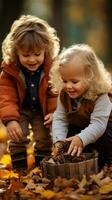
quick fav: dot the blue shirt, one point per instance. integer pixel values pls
(32, 80)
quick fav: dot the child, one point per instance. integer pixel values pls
(83, 113)
(29, 51)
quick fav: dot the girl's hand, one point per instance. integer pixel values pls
(76, 145)
(48, 119)
(14, 131)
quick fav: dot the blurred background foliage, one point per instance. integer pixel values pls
(76, 21)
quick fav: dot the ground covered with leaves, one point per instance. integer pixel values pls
(32, 185)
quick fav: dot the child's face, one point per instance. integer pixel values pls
(74, 78)
(31, 60)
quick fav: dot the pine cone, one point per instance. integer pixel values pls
(63, 147)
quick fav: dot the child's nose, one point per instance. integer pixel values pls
(68, 85)
(32, 58)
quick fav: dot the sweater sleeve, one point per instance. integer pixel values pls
(9, 109)
(98, 121)
(60, 124)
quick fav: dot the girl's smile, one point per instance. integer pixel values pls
(74, 78)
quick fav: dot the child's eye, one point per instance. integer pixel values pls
(37, 54)
(74, 82)
(64, 81)
(26, 55)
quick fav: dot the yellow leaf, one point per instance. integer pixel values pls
(14, 175)
(6, 160)
(105, 189)
(36, 170)
(5, 174)
(48, 194)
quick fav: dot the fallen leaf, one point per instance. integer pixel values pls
(106, 189)
(48, 194)
(5, 174)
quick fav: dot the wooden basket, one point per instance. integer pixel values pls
(70, 170)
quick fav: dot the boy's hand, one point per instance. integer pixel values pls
(48, 119)
(76, 145)
(14, 131)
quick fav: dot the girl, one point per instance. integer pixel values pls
(84, 106)
(29, 51)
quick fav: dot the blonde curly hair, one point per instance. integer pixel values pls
(99, 78)
(30, 32)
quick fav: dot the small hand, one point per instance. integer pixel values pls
(48, 119)
(14, 131)
(76, 145)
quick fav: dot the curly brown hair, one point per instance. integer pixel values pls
(30, 32)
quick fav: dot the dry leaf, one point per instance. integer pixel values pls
(36, 170)
(39, 189)
(5, 174)
(6, 160)
(83, 182)
(97, 177)
(24, 193)
(105, 180)
(48, 194)
(106, 189)
(51, 161)
(88, 197)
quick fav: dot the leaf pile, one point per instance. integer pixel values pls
(34, 186)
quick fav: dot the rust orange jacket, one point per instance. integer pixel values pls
(12, 92)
